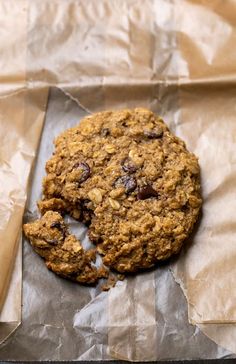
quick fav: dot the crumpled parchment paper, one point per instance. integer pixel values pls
(177, 58)
(139, 319)
(21, 117)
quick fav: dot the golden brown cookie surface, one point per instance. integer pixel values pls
(131, 180)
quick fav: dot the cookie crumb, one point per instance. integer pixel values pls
(111, 282)
(120, 277)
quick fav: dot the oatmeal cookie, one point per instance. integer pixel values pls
(62, 252)
(131, 180)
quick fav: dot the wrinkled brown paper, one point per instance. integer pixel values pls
(177, 58)
(21, 116)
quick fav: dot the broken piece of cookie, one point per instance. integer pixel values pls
(62, 252)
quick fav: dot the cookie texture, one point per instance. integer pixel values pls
(133, 182)
(62, 252)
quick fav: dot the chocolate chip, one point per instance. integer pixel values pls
(146, 192)
(56, 224)
(105, 132)
(154, 133)
(128, 182)
(128, 166)
(85, 171)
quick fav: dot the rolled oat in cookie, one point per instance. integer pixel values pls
(131, 181)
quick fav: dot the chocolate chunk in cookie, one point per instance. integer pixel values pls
(128, 182)
(128, 166)
(84, 169)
